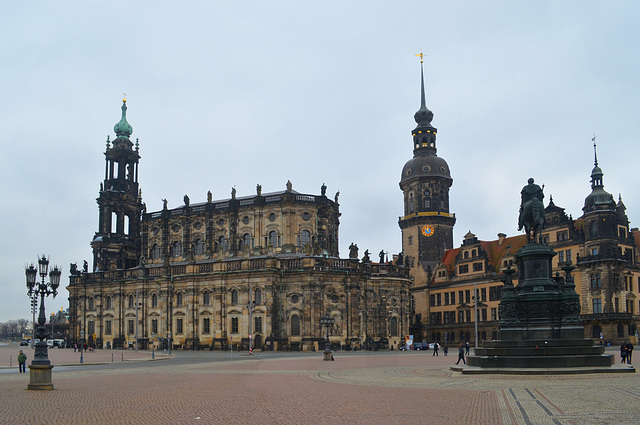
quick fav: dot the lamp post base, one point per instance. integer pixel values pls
(327, 355)
(40, 377)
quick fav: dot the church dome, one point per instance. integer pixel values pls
(428, 165)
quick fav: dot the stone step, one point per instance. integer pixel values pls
(541, 362)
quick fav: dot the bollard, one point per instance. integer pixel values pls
(122, 356)
(111, 357)
(10, 361)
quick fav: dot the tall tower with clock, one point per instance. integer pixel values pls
(427, 224)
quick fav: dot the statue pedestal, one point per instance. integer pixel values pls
(40, 377)
(540, 327)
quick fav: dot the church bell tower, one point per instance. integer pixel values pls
(427, 224)
(116, 244)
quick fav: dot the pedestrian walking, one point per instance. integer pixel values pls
(467, 348)
(435, 349)
(445, 350)
(623, 353)
(75, 347)
(22, 359)
(629, 349)
(461, 354)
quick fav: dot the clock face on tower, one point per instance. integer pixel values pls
(427, 230)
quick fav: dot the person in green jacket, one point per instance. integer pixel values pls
(22, 360)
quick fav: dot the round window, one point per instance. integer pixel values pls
(335, 298)
(409, 171)
(245, 219)
(442, 169)
(197, 225)
(175, 227)
(295, 298)
(426, 169)
(220, 222)
(272, 217)
(155, 231)
(306, 216)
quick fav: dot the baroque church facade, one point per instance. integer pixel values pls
(456, 291)
(260, 270)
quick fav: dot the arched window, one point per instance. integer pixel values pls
(273, 238)
(176, 249)
(305, 238)
(155, 252)
(222, 244)
(257, 324)
(92, 304)
(473, 254)
(179, 299)
(131, 301)
(393, 326)
(596, 331)
(620, 330)
(295, 325)
(234, 325)
(466, 254)
(199, 247)
(410, 203)
(154, 301)
(109, 301)
(206, 298)
(245, 241)
(234, 297)
(258, 296)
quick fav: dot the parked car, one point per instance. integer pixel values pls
(419, 346)
(431, 345)
(24, 343)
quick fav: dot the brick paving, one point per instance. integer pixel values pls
(356, 388)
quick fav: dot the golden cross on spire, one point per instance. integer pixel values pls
(421, 56)
(125, 97)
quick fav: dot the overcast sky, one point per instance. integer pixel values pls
(224, 94)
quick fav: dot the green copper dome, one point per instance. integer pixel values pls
(123, 128)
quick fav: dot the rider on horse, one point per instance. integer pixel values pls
(531, 210)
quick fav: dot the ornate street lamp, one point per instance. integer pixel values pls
(327, 322)
(40, 368)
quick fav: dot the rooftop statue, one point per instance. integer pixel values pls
(531, 216)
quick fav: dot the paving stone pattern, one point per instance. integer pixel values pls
(356, 388)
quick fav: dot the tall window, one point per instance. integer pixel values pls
(245, 242)
(595, 281)
(597, 306)
(131, 326)
(155, 252)
(295, 325)
(206, 325)
(154, 301)
(305, 238)
(258, 296)
(273, 238)
(179, 328)
(393, 326)
(91, 327)
(461, 316)
(206, 298)
(107, 327)
(234, 325)
(222, 244)
(199, 247)
(176, 249)
(154, 326)
(109, 303)
(92, 304)
(131, 301)
(257, 324)
(179, 299)
(234, 297)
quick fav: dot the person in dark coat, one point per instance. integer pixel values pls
(435, 349)
(629, 349)
(461, 354)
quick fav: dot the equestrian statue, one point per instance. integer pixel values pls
(531, 211)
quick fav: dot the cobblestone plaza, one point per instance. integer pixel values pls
(301, 388)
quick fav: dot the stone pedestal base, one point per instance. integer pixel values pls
(327, 355)
(40, 377)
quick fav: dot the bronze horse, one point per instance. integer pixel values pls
(532, 219)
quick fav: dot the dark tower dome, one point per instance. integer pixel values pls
(599, 198)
